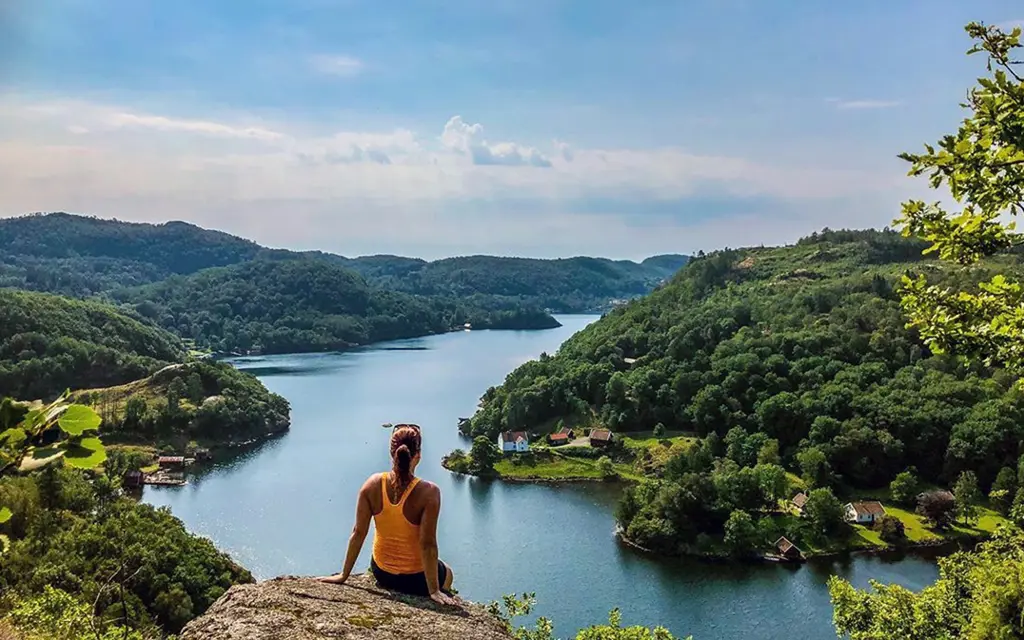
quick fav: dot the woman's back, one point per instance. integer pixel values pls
(396, 536)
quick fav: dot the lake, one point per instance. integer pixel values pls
(286, 506)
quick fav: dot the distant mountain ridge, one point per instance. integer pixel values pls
(84, 256)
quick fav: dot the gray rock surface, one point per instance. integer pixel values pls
(303, 609)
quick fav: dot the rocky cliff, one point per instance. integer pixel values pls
(303, 609)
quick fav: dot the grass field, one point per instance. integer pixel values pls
(553, 466)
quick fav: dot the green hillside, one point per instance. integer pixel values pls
(305, 304)
(50, 343)
(82, 256)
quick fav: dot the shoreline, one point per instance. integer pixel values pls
(944, 547)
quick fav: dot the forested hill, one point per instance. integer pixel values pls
(803, 344)
(84, 256)
(305, 304)
(569, 285)
(50, 343)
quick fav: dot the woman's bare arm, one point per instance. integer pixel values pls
(428, 545)
(364, 512)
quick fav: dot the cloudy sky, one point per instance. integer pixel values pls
(446, 127)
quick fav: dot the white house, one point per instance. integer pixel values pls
(864, 512)
(513, 441)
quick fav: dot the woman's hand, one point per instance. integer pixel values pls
(338, 578)
(440, 597)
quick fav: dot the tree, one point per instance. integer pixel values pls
(773, 482)
(891, 529)
(741, 534)
(605, 467)
(135, 412)
(982, 164)
(1004, 490)
(484, 454)
(937, 507)
(175, 392)
(814, 467)
(659, 430)
(769, 453)
(905, 487)
(823, 510)
(967, 495)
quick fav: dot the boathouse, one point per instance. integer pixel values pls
(787, 549)
(171, 462)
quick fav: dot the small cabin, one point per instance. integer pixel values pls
(568, 432)
(601, 437)
(787, 549)
(558, 438)
(513, 441)
(798, 501)
(866, 512)
(171, 462)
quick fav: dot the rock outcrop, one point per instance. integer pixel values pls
(303, 609)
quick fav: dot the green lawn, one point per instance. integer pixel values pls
(554, 466)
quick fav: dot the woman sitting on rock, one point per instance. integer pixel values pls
(404, 511)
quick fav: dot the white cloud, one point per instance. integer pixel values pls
(864, 104)
(290, 184)
(468, 139)
(336, 65)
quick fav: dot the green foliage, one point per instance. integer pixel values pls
(1004, 490)
(74, 534)
(68, 431)
(978, 595)
(741, 533)
(905, 487)
(659, 430)
(57, 615)
(49, 344)
(824, 511)
(606, 467)
(513, 606)
(982, 165)
(967, 495)
(483, 455)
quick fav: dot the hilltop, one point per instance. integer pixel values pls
(86, 256)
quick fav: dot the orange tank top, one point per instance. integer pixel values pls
(396, 541)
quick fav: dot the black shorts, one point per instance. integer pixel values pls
(414, 584)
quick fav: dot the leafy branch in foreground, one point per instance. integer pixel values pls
(44, 435)
(514, 607)
(982, 165)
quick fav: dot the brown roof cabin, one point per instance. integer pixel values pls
(558, 438)
(799, 500)
(133, 478)
(170, 462)
(787, 549)
(600, 437)
(568, 432)
(867, 511)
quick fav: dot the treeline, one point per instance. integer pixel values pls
(81, 554)
(804, 346)
(50, 343)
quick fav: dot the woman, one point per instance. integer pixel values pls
(404, 511)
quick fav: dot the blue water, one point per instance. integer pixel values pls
(286, 506)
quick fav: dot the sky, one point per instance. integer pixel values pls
(434, 128)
